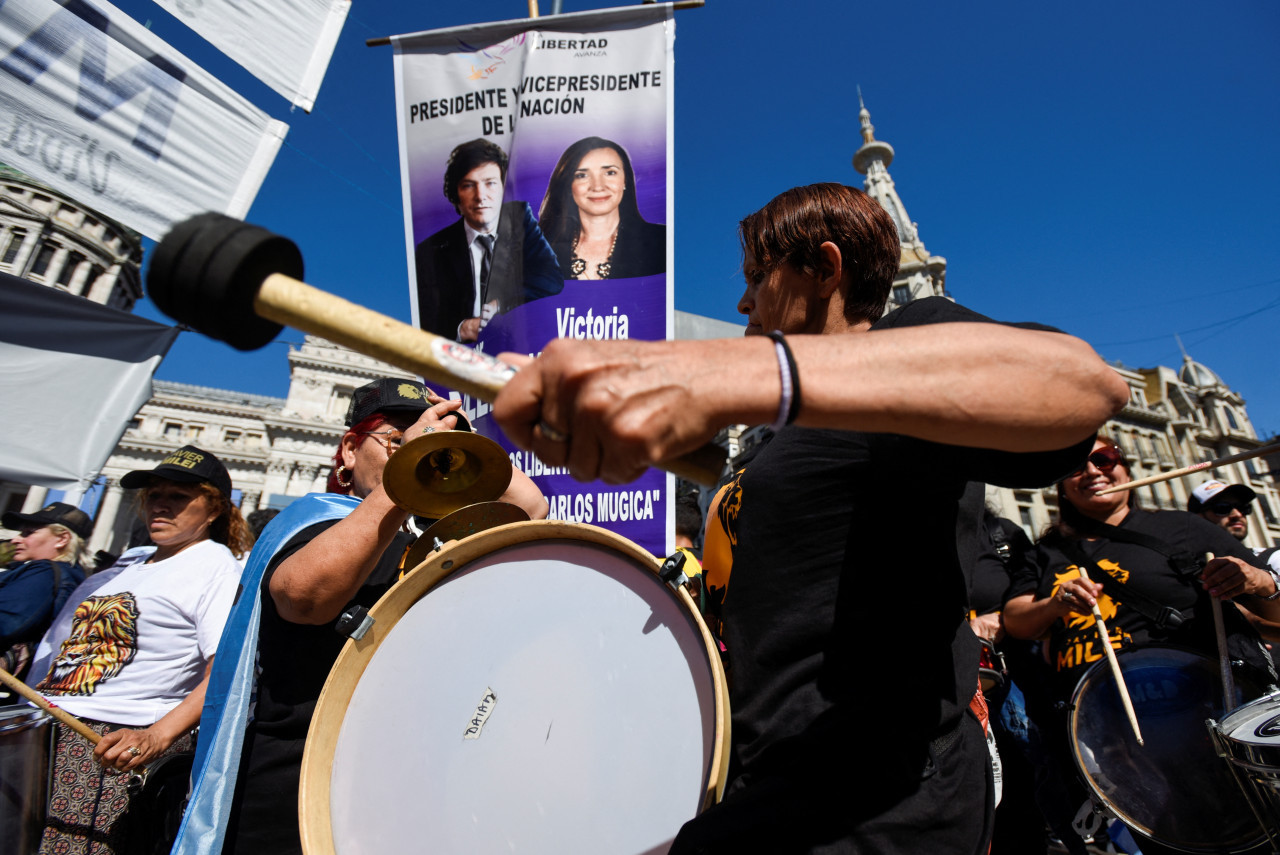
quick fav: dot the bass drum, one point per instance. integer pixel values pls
(1175, 789)
(25, 736)
(534, 688)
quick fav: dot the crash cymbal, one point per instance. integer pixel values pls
(464, 522)
(438, 473)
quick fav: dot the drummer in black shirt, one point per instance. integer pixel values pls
(854, 665)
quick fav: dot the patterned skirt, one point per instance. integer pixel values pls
(88, 804)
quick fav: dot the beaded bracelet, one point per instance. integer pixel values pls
(789, 406)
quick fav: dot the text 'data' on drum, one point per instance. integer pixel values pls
(534, 688)
(1175, 790)
(1249, 738)
(25, 735)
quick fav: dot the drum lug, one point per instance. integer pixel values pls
(354, 622)
(672, 570)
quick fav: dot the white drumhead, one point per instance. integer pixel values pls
(599, 737)
(1255, 723)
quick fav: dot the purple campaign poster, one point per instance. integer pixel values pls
(535, 163)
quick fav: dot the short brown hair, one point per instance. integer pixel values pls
(795, 223)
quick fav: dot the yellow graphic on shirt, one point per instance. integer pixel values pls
(1080, 645)
(719, 541)
(104, 638)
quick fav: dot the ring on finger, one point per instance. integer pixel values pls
(553, 434)
(135, 751)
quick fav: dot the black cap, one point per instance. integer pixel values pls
(187, 465)
(391, 395)
(54, 513)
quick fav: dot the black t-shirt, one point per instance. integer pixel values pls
(846, 612)
(1074, 645)
(993, 574)
(296, 658)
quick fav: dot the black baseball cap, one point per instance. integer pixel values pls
(393, 395)
(54, 513)
(186, 465)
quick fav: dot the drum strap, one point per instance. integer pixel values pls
(1184, 563)
(1165, 617)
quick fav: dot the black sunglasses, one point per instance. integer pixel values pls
(1223, 509)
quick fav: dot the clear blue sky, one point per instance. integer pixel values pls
(1107, 168)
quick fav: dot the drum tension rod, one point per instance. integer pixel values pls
(354, 623)
(672, 570)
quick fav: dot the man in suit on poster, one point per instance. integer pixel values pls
(491, 260)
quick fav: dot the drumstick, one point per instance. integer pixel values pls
(1115, 665)
(1191, 470)
(223, 277)
(1224, 656)
(57, 712)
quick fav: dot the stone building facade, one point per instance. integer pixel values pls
(52, 239)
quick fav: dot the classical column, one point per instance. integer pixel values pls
(104, 526)
(35, 499)
(307, 477)
(56, 264)
(249, 500)
(100, 291)
(77, 284)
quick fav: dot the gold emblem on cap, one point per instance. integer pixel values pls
(408, 390)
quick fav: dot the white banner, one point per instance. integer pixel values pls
(74, 375)
(286, 44)
(95, 105)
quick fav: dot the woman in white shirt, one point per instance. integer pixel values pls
(130, 651)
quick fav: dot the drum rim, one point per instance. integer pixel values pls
(1103, 665)
(322, 737)
(22, 718)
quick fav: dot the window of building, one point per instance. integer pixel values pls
(232, 436)
(1138, 396)
(901, 294)
(43, 257)
(1231, 418)
(253, 440)
(16, 238)
(1252, 470)
(172, 431)
(194, 432)
(69, 269)
(135, 424)
(1265, 505)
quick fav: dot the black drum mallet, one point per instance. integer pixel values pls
(241, 284)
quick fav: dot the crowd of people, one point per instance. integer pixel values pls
(857, 585)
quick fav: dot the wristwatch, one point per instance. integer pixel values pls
(1275, 577)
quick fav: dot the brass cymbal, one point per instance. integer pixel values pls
(438, 473)
(463, 522)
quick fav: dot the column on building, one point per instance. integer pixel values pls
(35, 499)
(100, 291)
(104, 527)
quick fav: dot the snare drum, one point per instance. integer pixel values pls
(1249, 738)
(1174, 790)
(24, 778)
(992, 673)
(532, 688)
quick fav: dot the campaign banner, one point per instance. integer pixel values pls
(287, 44)
(95, 105)
(536, 168)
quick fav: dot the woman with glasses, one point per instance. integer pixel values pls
(317, 575)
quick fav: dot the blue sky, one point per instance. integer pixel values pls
(1107, 168)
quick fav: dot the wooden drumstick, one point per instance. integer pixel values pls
(1115, 665)
(1224, 655)
(1191, 470)
(57, 712)
(227, 279)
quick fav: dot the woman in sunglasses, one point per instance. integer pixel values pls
(313, 578)
(1157, 586)
(1049, 597)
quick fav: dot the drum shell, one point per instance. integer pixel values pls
(1175, 790)
(426, 586)
(25, 736)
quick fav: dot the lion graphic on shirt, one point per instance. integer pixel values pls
(1106, 605)
(104, 638)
